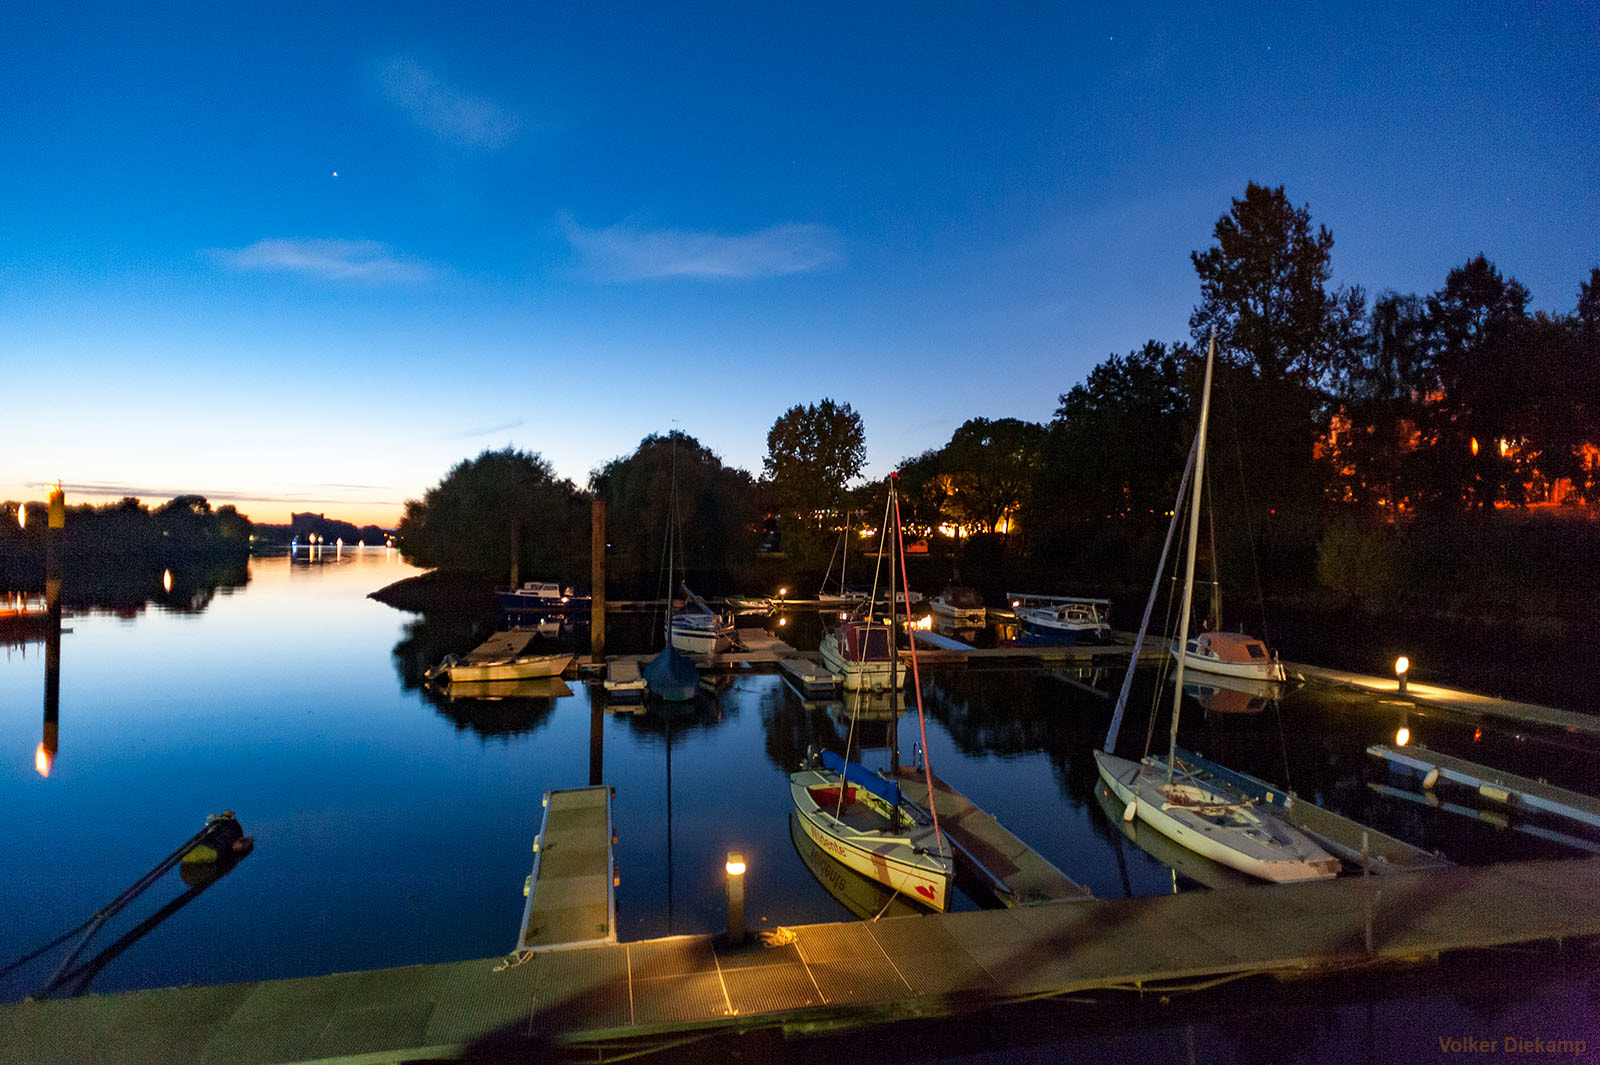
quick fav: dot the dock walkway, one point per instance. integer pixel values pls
(572, 890)
(1508, 789)
(1462, 702)
(1018, 874)
(827, 974)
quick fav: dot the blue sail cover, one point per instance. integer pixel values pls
(861, 776)
(671, 676)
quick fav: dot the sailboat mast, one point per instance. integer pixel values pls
(1194, 535)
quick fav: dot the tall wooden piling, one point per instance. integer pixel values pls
(597, 581)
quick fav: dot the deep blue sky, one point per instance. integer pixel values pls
(310, 256)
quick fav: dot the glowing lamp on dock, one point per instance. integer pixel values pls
(43, 758)
(166, 580)
(735, 868)
(1401, 666)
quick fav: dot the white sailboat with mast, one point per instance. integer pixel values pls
(1229, 829)
(858, 817)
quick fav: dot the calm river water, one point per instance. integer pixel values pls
(394, 827)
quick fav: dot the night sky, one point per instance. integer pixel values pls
(307, 257)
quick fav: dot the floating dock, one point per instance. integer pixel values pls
(811, 679)
(1507, 789)
(572, 899)
(623, 681)
(1350, 840)
(824, 976)
(1016, 873)
(1465, 703)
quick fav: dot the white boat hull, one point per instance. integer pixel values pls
(890, 858)
(1263, 671)
(523, 668)
(962, 616)
(857, 675)
(1245, 838)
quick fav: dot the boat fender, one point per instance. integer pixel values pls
(1130, 811)
(1431, 779)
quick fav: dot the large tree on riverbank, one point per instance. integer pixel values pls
(1282, 337)
(814, 451)
(716, 517)
(500, 515)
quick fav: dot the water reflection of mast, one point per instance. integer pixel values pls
(45, 756)
(669, 824)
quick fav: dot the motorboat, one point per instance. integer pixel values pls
(961, 605)
(862, 652)
(1063, 618)
(540, 596)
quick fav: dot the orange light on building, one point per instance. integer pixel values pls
(1474, 443)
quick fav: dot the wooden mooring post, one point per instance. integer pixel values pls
(597, 581)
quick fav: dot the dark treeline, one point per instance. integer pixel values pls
(1399, 450)
(115, 555)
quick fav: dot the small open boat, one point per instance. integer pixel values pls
(868, 829)
(503, 656)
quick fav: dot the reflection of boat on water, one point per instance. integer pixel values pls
(503, 656)
(1179, 859)
(860, 895)
(1232, 695)
(529, 688)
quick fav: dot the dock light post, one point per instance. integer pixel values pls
(1401, 664)
(735, 868)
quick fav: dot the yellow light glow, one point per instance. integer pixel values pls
(1401, 664)
(783, 593)
(1474, 444)
(735, 865)
(782, 622)
(1402, 737)
(42, 760)
(924, 624)
(166, 580)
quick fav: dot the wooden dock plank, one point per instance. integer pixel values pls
(860, 972)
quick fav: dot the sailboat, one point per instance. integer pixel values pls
(670, 675)
(1227, 654)
(859, 816)
(700, 630)
(833, 594)
(1227, 828)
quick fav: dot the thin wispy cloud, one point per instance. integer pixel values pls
(332, 260)
(485, 430)
(447, 112)
(629, 253)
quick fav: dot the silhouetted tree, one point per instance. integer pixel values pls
(718, 516)
(1282, 338)
(990, 467)
(502, 513)
(813, 453)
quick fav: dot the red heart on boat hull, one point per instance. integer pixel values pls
(925, 892)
